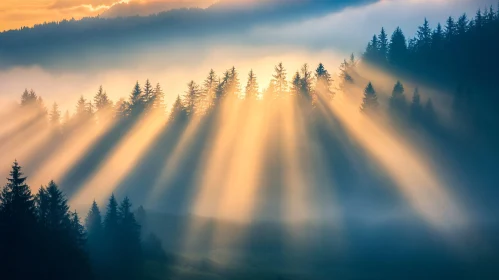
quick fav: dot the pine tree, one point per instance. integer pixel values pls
(191, 98)
(95, 236)
(57, 215)
(233, 85)
(251, 86)
(178, 112)
(210, 86)
(111, 218)
(148, 94)
(323, 81)
(55, 115)
(158, 100)
(130, 243)
(122, 108)
(462, 25)
(306, 82)
(78, 233)
(397, 100)
(371, 53)
(382, 45)
(424, 36)
(102, 101)
(28, 98)
(370, 101)
(397, 51)
(136, 100)
(19, 243)
(438, 39)
(296, 85)
(279, 79)
(450, 29)
(81, 109)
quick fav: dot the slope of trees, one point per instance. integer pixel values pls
(40, 238)
(459, 56)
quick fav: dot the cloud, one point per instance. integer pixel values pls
(144, 8)
(16, 14)
(64, 4)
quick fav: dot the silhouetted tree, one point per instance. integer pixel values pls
(251, 86)
(323, 81)
(397, 51)
(136, 101)
(102, 101)
(382, 46)
(397, 100)
(179, 112)
(158, 99)
(191, 98)
(306, 82)
(19, 247)
(130, 250)
(279, 80)
(148, 94)
(55, 115)
(370, 101)
(209, 89)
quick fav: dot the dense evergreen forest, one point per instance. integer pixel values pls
(41, 238)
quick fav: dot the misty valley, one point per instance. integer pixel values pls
(250, 162)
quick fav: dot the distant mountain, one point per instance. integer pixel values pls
(46, 43)
(150, 8)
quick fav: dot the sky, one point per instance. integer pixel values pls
(18, 13)
(326, 38)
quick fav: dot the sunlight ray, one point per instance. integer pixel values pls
(122, 160)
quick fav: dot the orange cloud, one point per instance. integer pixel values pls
(18, 13)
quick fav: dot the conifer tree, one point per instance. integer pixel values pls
(136, 100)
(19, 246)
(210, 86)
(397, 51)
(323, 81)
(462, 25)
(251, 86)
(101, 100)
(233, 85)
(437, 39)
(306, 82)
(55, 115)
(178, 112)
(279, 80)
(122, 108)
(158, 100)
(148, 94)
(81, 108)
(296, 85)
(28, 98)
(191, 98)
(370, 101)
(450, 29)
(397, 100)
(371, 53)
(424, 36)
(382, 45)
(95, 236)
(130, 244)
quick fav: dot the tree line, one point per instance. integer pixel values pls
(41, 238)
(459, 56)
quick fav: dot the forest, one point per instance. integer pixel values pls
(437, 89)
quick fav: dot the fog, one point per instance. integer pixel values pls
(173, 63)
